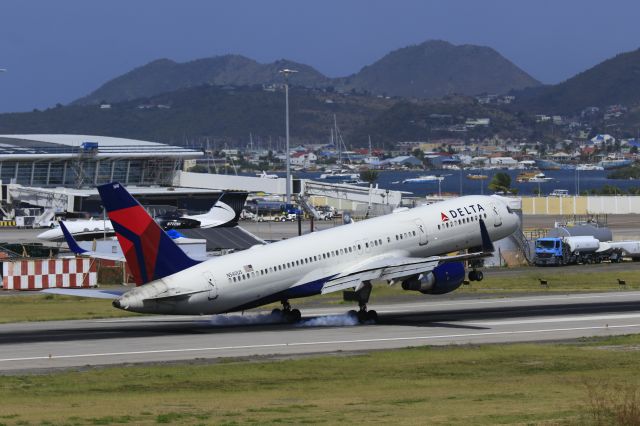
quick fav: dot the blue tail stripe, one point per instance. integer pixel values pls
(135, 240)
(71, 242)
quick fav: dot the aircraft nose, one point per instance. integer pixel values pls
(116, 304)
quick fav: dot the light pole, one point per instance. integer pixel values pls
(286, 73)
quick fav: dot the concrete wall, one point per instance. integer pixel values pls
(623, 204)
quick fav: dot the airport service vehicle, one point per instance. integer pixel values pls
(283, 217)
(270, 209)
(622, 249)
(559, 193)
(407, 248)
(568, 251)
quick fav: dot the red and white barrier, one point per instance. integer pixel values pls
(49, 273)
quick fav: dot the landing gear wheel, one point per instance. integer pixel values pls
(286, 313)
(475, 276)
(294, 315)
(372, 316)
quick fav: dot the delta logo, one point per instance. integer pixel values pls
(461, 212)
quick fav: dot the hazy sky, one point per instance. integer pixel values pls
(57, 51)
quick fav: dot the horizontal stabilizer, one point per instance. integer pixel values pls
(90, 293)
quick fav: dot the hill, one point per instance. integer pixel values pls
(614, 81)
(430, 70)
(228, 114)
(165, 75)
(437, 68)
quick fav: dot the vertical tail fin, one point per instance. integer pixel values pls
(236, 201)
(230, 201)
(71, 242)
(150, 252)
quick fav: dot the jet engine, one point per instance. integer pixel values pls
(443, 279)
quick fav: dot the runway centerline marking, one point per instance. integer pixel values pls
(328, 342)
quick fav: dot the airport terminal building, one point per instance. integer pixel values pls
(82, 161)
(61, 172)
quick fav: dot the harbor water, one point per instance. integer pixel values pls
(456, 181)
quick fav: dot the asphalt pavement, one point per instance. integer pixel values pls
(28, 347)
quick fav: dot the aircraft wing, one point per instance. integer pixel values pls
(79, 251)
(91, 293)
(401, 267)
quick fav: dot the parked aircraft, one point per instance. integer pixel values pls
(407, 248)
(225, 212)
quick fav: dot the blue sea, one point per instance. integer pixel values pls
(456, 182)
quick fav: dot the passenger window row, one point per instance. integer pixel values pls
(452, 223)
(317, 258)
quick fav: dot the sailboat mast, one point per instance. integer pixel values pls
(335, 126)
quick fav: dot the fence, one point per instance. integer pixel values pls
(48, 273)
(597, 204)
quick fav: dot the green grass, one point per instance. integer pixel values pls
(526, 280)
(46, 307)
(584, 382)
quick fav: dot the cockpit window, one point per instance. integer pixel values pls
(509, 209)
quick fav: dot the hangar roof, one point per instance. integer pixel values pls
(25, 147)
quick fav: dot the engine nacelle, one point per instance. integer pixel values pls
(443, 279)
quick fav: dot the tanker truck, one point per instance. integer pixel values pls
(568, 251)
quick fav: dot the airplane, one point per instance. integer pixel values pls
(266, 175)
(408, 247)
(223, 213)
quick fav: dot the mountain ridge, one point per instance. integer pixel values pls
(613, 81)
(430, 69)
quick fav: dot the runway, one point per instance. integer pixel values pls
(64, 344)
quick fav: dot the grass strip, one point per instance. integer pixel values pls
(594, 381)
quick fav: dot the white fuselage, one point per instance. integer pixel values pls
(92, 228)
(299, 266)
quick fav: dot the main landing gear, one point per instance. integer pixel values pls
(475, 275)
(288, 314)
(361, 295)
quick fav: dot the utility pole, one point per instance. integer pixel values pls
(286, 73)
